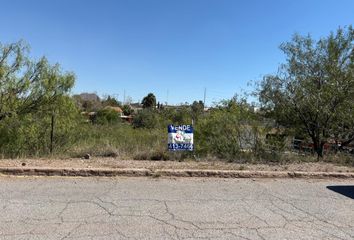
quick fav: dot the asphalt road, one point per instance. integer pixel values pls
(146, 208)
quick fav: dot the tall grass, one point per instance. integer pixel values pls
(117, 140)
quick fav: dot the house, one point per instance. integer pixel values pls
(118, 110)
(136, 107)
(128, 119)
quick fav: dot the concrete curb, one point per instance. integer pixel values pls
(136, 172)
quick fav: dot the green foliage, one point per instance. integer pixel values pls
(106, 116)
(146, 118)
(197, 109)
(29, 135)
(123, 140)
(149, 101)
(181, 116)
(276, 142)
(228, 131)
(313, 94)
(27, 85)
(32, 93)
(313, 91)
(111, 101)
(127, 110)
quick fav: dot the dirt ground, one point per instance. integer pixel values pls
(153, 165)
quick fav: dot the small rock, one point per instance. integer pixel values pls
(87, 156)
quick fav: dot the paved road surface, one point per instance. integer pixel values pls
(145, 208)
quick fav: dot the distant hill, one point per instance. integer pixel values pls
(88, 97)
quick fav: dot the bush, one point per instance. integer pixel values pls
(127, 110)
(231, 133)
(146, 118)
(29, 135)
(106, 116)
(159, 155)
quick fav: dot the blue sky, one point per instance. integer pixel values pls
(177, 47)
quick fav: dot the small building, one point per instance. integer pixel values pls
(116, 109)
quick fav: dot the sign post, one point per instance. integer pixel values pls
(180, 138)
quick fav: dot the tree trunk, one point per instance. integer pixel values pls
(318, 146)
(319, 151)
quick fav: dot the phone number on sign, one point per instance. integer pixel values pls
(180, 146)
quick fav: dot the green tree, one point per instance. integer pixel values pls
(27, 85)
(111, 101)
(149, 101)
(181, 115)
(32, 134)
(197, 109)
(313, 91)
(36, 113)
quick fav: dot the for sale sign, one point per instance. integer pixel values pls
(180, 138)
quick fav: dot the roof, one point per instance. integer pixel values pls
(116, 109)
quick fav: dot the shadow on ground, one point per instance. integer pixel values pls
(347, 191)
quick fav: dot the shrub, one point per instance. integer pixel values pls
(127, 110)
(159, 155)
(106, 116)
(146, 118)
(29, 135)
(230, 132)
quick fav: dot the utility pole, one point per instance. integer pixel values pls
(204, 96)
(124, 97)
(167, 97)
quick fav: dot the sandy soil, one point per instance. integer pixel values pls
(118, 163)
